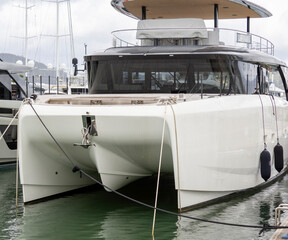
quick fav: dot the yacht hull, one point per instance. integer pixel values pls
(8, 141)
(212, 146)
(8, 155)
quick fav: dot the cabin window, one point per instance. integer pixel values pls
(5, 86)
(138, 78)
(249, 73)
(275, 82)
(92, 70)
(285, 73)
(268, 82)
(5, 90)
(165, 75)
(271, 81)
(194, 74)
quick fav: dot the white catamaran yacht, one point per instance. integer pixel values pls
(11, 91)
(210, 104)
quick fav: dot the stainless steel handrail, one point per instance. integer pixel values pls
(257, 42)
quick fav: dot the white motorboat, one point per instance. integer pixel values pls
(210, 110)
(11, 92)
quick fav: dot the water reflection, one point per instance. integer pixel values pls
(10, 225)
(264, 212)
(97, 214)
(255, 209)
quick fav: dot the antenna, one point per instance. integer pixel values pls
(26, 31)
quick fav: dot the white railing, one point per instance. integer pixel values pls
(278, 210)
(216, 36)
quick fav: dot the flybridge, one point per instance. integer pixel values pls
(201, 9)
(162, 20)
(188, 32)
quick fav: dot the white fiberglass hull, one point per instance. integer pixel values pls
(7, 155)
(212, 146)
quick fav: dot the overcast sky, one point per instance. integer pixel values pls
(94, 20)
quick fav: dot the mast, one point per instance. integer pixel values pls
(26, 32)
(70, 30)
(70, 34)
(58, 35)
(26, 36)
(57, 38)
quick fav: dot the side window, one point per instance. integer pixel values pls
(265, 81)
(249, 75)
(285, 75)
(6, 95)
(276, 86)
(210, 82)
(138, 77)
(168, 80)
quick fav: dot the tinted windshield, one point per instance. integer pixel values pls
(171, 75)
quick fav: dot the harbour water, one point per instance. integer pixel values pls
(97, 214)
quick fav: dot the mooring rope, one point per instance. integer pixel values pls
(85, 133)
(17, 180)
(159, 169)
(263, 228)
(17, 157)
(263, 121)
(15, 116)
(177, 153)
(275, 114)
(17, 167)
(17, 164)
(43, 124)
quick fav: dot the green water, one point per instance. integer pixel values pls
(97, 214)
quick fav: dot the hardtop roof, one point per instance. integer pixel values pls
(228, 9)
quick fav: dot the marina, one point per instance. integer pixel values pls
(179, 132)
(280, 233)
(183, 93)
(95, 214)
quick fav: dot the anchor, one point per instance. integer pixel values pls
(88, 130)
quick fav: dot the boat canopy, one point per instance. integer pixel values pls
(178, 28)
(205, 9)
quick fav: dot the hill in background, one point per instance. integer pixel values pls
(40, 69)
(8, 57)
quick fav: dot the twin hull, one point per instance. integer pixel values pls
(212, 145)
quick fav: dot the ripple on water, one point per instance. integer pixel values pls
(97, 214)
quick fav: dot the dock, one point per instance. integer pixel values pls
(280, 233)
